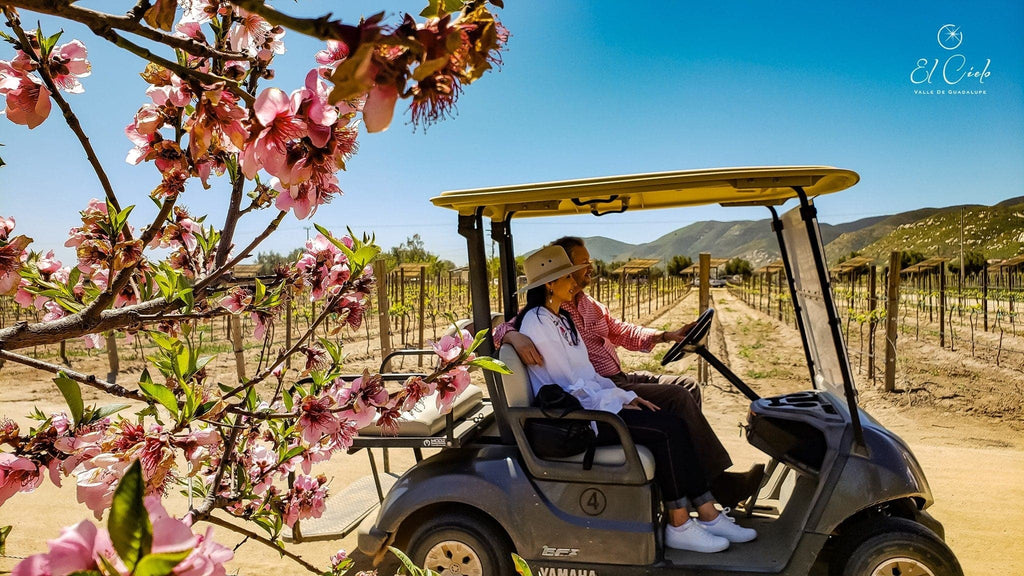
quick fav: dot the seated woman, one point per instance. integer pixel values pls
(677, 469)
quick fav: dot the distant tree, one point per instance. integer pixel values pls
(655, 273)
(850, 256)
(910, 257)
(739, 266)
(976, 262)
(414, 251)
(601, 269)
(679, 263)
(268, 261)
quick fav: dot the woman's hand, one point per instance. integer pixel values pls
(639, 403)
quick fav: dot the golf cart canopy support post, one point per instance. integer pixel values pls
(501, 232)
(471, 227)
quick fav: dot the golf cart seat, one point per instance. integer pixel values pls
(626, 463)
(426, 420)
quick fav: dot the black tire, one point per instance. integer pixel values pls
(468, 541)
(891, 547)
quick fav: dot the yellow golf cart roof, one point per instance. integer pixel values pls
(757, 186)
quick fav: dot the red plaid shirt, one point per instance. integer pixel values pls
(601, 333)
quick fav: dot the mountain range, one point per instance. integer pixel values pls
(995, 231)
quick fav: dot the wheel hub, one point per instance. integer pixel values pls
(902, 567)
(453, 558)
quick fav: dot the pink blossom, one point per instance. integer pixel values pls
(449, 386)
(316, 419)
(416, 388)
(169, 533)
(17, 474)
(306, 499)
(177, 93)
(248, 34)
(48, 264)
(73, 551)
(278, 125)
(68, 64)
(272, 44)
(333, 55)
(143, 148)
(237, 299)
(11, 255)
(449, 347)
(197, 446)
(92, 341)
(207, 558)
(304, 198)
(53, 312)
(362, 396)
(28, 101)
(97, 478)
(6, 226)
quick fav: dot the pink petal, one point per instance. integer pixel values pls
(379, 108)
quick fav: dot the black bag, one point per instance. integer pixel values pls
(556, 437)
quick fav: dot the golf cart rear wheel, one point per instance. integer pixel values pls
(462, 545)
(894, 547)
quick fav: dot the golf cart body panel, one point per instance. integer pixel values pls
(541, 517)
(833, 466)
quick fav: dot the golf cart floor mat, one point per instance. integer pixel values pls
(776, 536)
(345, 511)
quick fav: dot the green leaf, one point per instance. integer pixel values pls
(129, 526)
(86, 573)
(161, 394)
(160, 564)
(72, 394)
(477, 340)
(292, 453)
(492, 364)
(521, 566)
(5, 531)
(411, 568)
(164, 341)
(94, 414)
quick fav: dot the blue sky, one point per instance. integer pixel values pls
(596, 88)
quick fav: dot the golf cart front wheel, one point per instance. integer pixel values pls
(895, 547)
(462, 545)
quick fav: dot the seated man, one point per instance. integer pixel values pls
(680, 395)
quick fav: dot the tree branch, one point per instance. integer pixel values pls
(323, 27)
(129, 23)
(65, 108)
(87, 379)
(220, 271)
(262, 540)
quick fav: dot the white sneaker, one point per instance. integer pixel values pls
(692, 536)
(726, 527)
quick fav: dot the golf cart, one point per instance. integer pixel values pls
(842, 495)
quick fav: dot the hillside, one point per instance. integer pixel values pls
(997, 231)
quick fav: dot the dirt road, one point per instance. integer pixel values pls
(975, 464)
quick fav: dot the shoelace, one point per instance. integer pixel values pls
(725, 512)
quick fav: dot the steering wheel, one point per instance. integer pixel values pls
(693, 338)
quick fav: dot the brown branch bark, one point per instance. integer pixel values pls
(87, 379)
(323, 27)
(221, 270)
(262, 540)
(96, 20)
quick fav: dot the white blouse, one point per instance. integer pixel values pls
(568, 365)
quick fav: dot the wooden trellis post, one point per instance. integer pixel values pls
(423, 309)
(872, 304)
(383, 317)
(891, 317)
(942, 304)
(704, 298)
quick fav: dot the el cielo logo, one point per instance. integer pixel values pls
(956, 70)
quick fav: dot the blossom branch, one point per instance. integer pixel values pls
(98, 21)
(109, 35)
(69, 116)
(295, 347)
(87, 379)
(220, 271)
(323, 27)
(262, 540)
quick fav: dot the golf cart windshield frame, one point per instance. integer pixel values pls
(799, 243)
